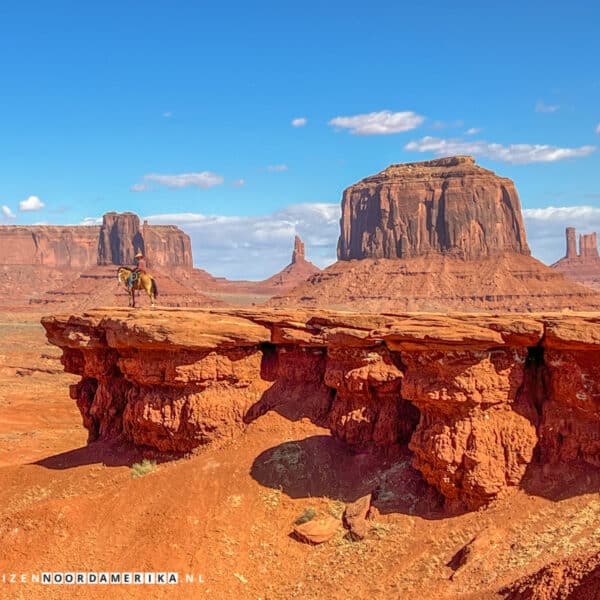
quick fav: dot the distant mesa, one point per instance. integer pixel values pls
(583, 266)
(449, 206)
(74, 266)
(432, 236)
(121, 236)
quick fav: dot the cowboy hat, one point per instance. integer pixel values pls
(139, 255)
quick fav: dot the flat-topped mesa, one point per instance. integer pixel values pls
(449, 206)
(49, 246)
(121, 237)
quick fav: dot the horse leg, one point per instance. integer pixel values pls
(150, 295)
(132, 298)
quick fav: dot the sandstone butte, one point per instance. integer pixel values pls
(438, 235)
(476, 398)
(583, 266)
(58, 267)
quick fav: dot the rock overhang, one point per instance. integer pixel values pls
(472, 394)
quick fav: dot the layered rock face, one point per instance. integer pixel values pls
(450, 205)
(49, 246)
(121, 237)
(583, 266)
(436, 236)
(477, 398)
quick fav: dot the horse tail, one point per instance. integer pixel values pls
(154, 288)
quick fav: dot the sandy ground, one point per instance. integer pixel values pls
(224, 515)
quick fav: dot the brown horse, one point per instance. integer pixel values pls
(142, 282)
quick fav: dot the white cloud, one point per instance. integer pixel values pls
(277, 168)
(541, 107)
(168, 114)
(473, 131)
(546, 228)
(256, 247)
(32, 203)
(91, 221)
(238, 183)
(299, 122)
(518, 154)
(7, 213)
(204, 180)
(379, 123)
(598, 129)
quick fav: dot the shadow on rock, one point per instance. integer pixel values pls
(321, 466)
(110, 454)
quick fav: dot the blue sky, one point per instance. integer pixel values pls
(99, 100)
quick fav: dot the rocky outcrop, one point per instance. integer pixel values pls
(121, 237)
(298, 252)
(295, 273)
(582, 267)
(476, 398)
(449, 205)
(438, 283)
(49, 246)
(436, 236)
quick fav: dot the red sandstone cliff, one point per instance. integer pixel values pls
(448, 205)
(476, 398)
(49, 246)
(582, 267)
(435, 236)
(121, 237)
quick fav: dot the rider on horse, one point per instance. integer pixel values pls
(140, 266)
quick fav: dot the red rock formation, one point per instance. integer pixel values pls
(571, 242)
(588, 245)
(297, 272)
(37, 261)
(584, 268)
(49, 246)
(121, 236)
(436, 283)
(298, 252)
(472, 395)
(167, 246)
(435, 236)
(448, 205)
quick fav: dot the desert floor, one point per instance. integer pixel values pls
(226, 512)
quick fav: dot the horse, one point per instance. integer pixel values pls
(143, 281)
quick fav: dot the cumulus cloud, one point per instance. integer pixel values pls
(546, 228)
(277, 168)
(598, 129)
(203, 180)
(168, 114)
(299, 122)
(256, 247)
(238, 183)
(7, 213)
(473, 131)
(378, 123)
(541, 107)
(517, 154)
(30, 204)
